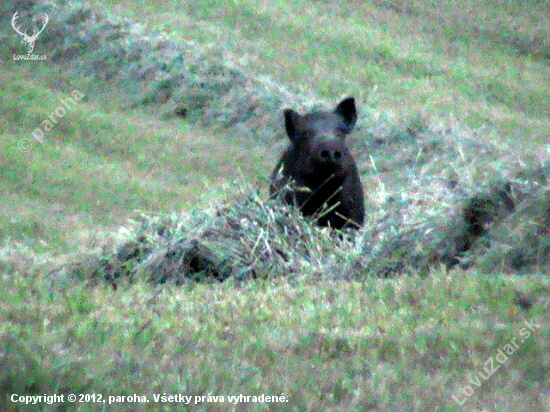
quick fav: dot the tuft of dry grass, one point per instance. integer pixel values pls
(245, 237)
(500, 228)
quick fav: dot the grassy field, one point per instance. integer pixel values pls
(479, 63)
(453, 90)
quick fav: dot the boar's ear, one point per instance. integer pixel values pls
(294, 124)
(347, 111)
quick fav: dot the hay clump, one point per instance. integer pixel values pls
(437, 194)
(520, 242)
(243, 238)
(503, 227)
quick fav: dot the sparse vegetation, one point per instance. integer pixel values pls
(141, 254)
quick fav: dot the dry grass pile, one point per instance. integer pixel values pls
(520, 241)
(501, 228)
(453, 196)
(246, 237)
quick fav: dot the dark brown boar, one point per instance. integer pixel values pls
(317, 172)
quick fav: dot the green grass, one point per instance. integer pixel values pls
(375, 345)
(100, 161)
(483, 62)
(460, 70)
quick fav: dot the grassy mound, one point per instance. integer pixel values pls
(437, 194)
(491, 233)
(503, 228)
(243, 238)
(519, 243)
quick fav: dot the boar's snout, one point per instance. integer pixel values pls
(331, 156)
